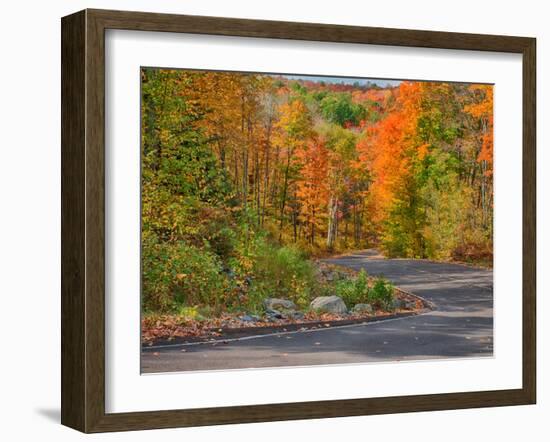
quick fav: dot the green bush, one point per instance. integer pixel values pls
(381, 294)
(216, 231)
(353, 291)
(340, 109)
(178, 274)
(282, 272)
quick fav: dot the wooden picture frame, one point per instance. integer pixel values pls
(83, 220)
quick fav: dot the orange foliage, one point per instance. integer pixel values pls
(312, 188)
(484, 111)
(387, 148)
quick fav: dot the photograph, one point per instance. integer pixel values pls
(269, 221)
(300, 220)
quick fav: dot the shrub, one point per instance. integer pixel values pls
(281, 272)
(178, 274)
(215, 231)
(381, 294)
(353, 291)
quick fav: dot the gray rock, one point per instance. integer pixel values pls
(250, 318)
(329, 304)
(278, 304)
(273, 314)
(363, 308)
(294, 315)
(398, 304)
(285, 314)
(402, 304)
(410, 305)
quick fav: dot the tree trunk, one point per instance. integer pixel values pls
(332, 222)
(266, 172)
(312, 225)
(283, 198)
(346, 232)
(236, 171)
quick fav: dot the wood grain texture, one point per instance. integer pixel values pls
(144, 21)
(95, 221)
(529, 220)
(73, 129)
(83, 220)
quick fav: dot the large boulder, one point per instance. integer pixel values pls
(363, 308)
(329, 304)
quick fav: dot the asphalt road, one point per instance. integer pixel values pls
(460, 326)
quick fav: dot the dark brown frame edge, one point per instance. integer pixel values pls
(83, 215)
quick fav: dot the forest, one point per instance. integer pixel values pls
(248, 178)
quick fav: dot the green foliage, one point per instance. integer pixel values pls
(373, 111)
(357, 290)
(177, 274)
(402, 235)
(319, 95)
(282, 272)
(353, 291)
(298, 88)
(381, 294)
(436, 207)
(339, 109)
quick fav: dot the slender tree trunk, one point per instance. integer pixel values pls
(257, 185)
(312, 225)
(484, 202)
(236, 171)
(245, 177)
(266, 171)
(221, 147)
(358, 224)
(295, 225)
(332, 222)
(295, 209)
(245, 153)
(346, 232)
(283, 197)
(275, 179)
(157, 138)
(355, 242)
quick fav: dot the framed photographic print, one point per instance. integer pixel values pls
(266, 220)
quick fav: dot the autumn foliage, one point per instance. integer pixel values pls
(242, 173)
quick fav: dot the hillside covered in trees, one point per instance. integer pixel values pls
(245, 177)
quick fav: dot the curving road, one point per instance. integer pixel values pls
(460, 326)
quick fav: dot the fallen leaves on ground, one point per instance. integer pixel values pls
(172, 326)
